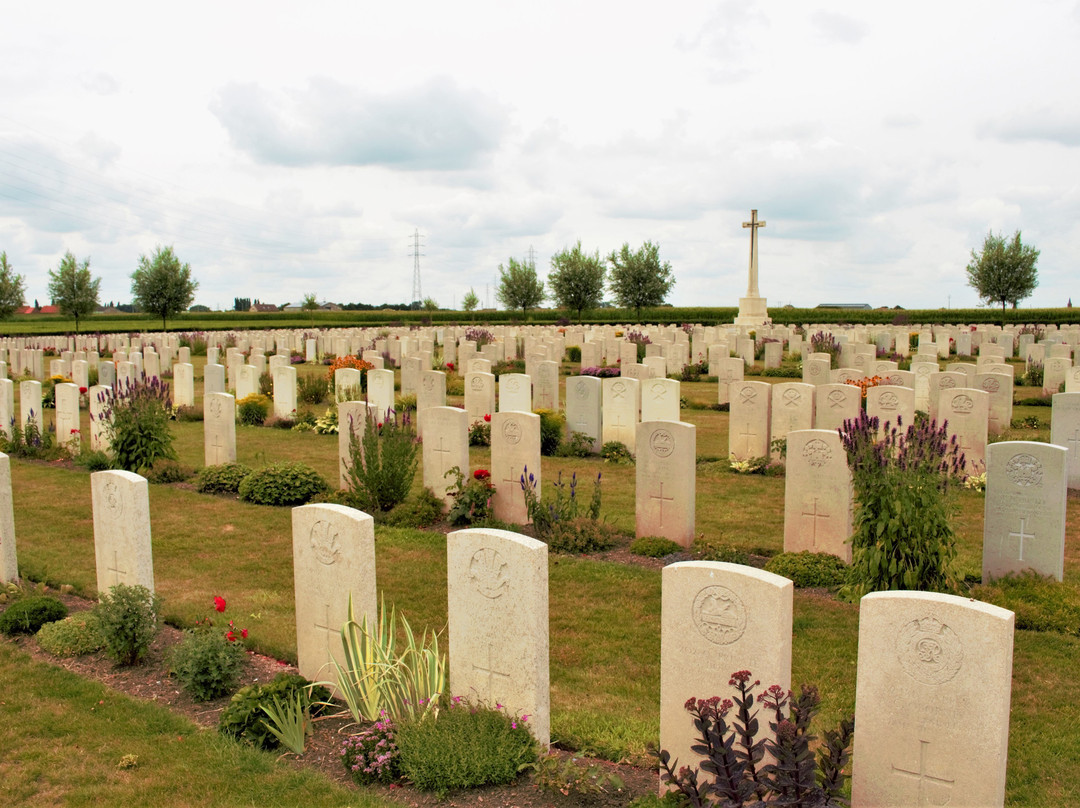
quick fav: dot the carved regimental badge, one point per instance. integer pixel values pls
(488, 573)
(662, 443)
(582, 389)
(888, 402)
(748, 395)
(991, 385)
(817, 452)
(837, 399)
(1024, 470)
(929, 651)
(719, 615)
(962, 404)
(512, 431)
(114, 502)
(792, 398)
(477, 384)
(325, 544)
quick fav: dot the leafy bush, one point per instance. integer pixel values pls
(568, 777)
(424, 511)
(285, 483)
(573, 353)
(735, 757)
(471, 497)
(245, 719)
(788, 371)
(1040, 604)
(223, 479)
(129, 622)
(551, 431)
(311, 388)
(826, 343)
(188, 415)
(903, 537)
(561, 504)
(1034, 376)
(169, 471)
(28, 615)
(252, 409)
(713, 550)
(136, 423)
(465, 746)
(29, 441)
(75, 635)
(383, 463)
(208, 664)
(654, 546)
(616, 452)
(93, 460)
(807, 569)
(578, 445)
(371, 756)
(480, 432)
(582, 535)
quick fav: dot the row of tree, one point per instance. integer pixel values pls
(577, 279)
(160, 285)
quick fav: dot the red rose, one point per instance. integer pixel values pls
(487, 417)
(230, 636)
(219, 603)
(243, 633)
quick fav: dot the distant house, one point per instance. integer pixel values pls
(42, 310)
(263, 307)
(861, 306)
(323, 306)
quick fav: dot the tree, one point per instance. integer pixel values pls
(470, 301)
(1004, 271)
(638, 279)
(576, 279)
(72, 289)
(429, 304)
(241, 304)
(12, 288)
(161, 285)
(310, 305)
(519, 287)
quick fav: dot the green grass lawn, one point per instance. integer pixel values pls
(604, 617)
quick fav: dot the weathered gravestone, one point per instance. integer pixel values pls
(445, 445)
(479, 395)
(67, 414)
(1065, 431)
(716, 619)
(30, 404)
(583, 407)
(966, 414)
(515, 452)
(727, 370)
(1000, 388)
(547, 386)
(660, 400)
(100, 404)
(284, 387)
(620, 411)
(1024, 515)
(834, 404)
(183, 387)
(8, 421)
(748, 436)
(213, 380)
(430, 392)
(380, 392)
(9, 561)
(333, 558)
(122, 547)
(792, 409)
(219, 429)
(515, 393)
(818, 497)
(497, 591)
(665, 481)
(925, 659)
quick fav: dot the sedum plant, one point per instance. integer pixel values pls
(379, 682)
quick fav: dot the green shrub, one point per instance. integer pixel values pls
(713, 550)
(30, 442)
(251, 410)
(371, 756)
(807, 569)
(616, 452)
(136, 423)
(188, 414)
(582, 535)
(464, 746)
(577, 445)
(223, 479)
(93, 460)
(654, 546)
(285, 483)
(383, 463)
(424, 511)
(75, 635)
(573, 353)
(169, 471)
(480, 432)
(784, 372)
(207, 664)
(28, 615)
(471, 497)
(1040, 604)
(244, 718)
(311, 388)
(551, 431)
(561, 505)
(129, 622)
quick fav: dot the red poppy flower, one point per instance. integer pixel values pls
(219, 603)
(482, 474)
(230, 636)
(487, 417)
(243, 633)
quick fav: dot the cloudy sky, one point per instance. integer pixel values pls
(286, 148)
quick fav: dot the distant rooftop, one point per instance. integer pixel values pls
(843, 306)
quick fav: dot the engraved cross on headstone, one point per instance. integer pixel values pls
(814, 515)
(513, 482)
(439, 451)
(326, 627)
(118, 574)
(661, 500)
(1021, 535)
(748, 434)
(923, 777)
(491, 674)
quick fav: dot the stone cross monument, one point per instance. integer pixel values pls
(752, 308)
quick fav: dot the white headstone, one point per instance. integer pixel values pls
(9, 561)
(748, 426)
(219, 429)
(515, 452)
(666, 481)
(620, 411)
(122, 546)
(583, 394)
(445, 445)
(515, 393)
(818, 497)
(1065, 431)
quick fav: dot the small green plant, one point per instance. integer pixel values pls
(93, 460)
(252, 409)
(715, 550)
(583, 535)
(807, 569)
(286, 483)
(578, 444)
(290, 722)
(573, 353)
(480, 432)
(561, 505)
(75, 635)
(27, 615)
(471, 497)
(371, 755)
(975, 482)
(188, 415)
(616, 452)
(383, 462)
(1034, 376)
(129, 622)
(734, 755)
(135, 419)
(654, 546)
(222, 479)
(208, 662)
(311, 388)
(28, 441)
(465, 746)
(551, 431)
(377, 681)
(169, 471)
(327, 423)
(567, 776)
(245, 719)
(778, 447)
(424, 510)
